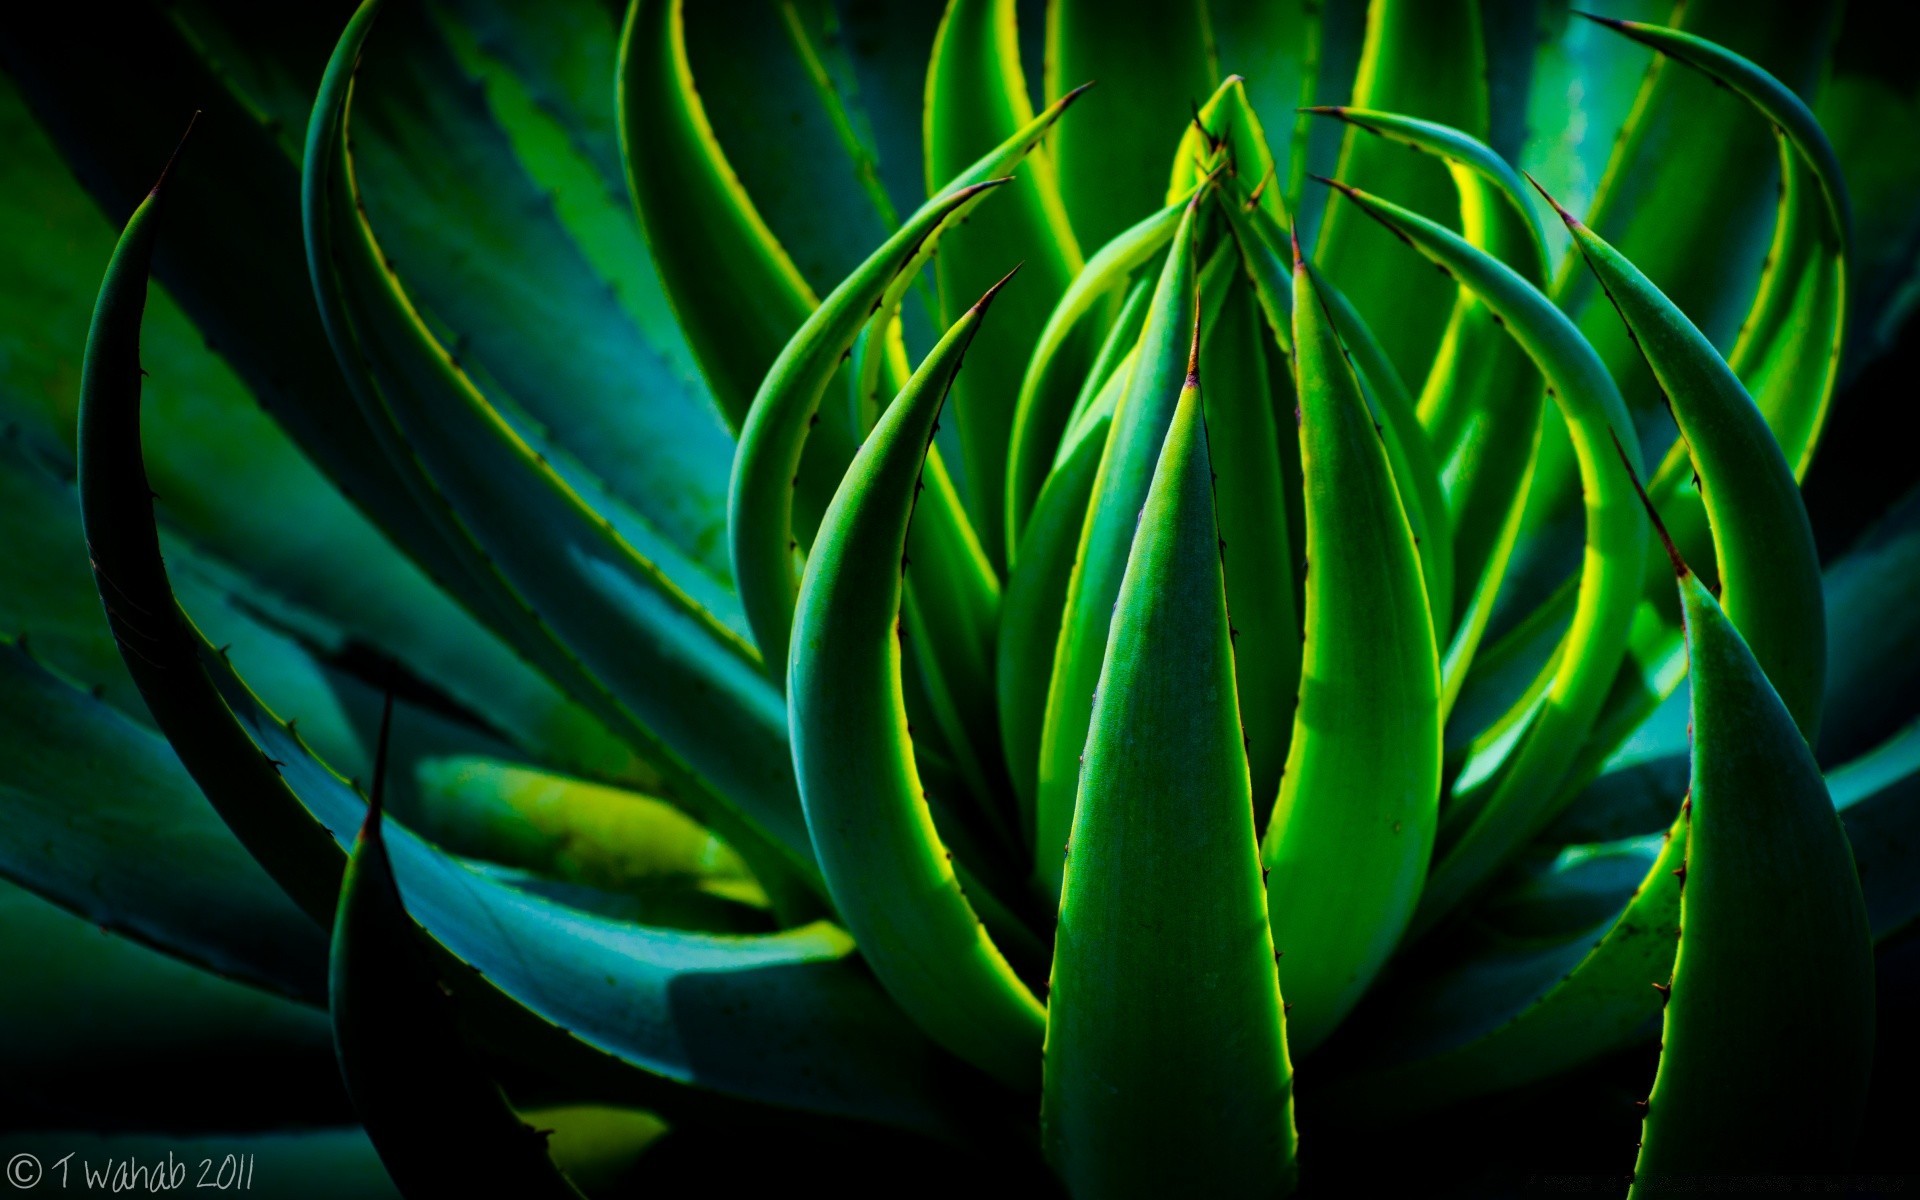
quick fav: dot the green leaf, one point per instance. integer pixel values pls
(792, 129)
(1141, 416)
(1166, 1058)
(1427, 60)
(1771, 999)
(1498, 1021)
(438, 1120)
(1481, 400)
(1264, 250)
(102, 821)
(574, 595)
(1415, 473)
(736, 294)
(785, 1019)
(569, 828)
(1790, 343)
(884, 862)
(1700, 233)
(207, 441)
(529, 301)
(1276, 47)
(762, 531)
(1226, 135)
(1352, 828)
(1036, 598)
(1049, 388)
(1762, 543)
(1482, 826)
(976, 99)
(249, 306)
(1251, 508)
(1153, 63)
(155, 642)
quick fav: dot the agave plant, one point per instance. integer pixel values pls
(602, 676)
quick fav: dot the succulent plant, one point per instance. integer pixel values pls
(763, 668)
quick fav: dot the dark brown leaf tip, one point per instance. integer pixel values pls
(1193, 351)
(1065, 102)
(1299, 261)
(980, 305)
(175, 156)
(1597, 19)
(1680, 568)
(1572, 221)
(1351, 192)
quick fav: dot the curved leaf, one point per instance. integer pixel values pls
(1481, 402)
(1771, 999)
(436, 1118)
(1258, 555)
(977, 98)
(101, 820)
(1499, 1021)
(1353, 826)
(570, 829)
(1141, 415)
(1426, 59)
(579, 599)
(784, 1019)
(884, 862)
(1036, 598)
(1505, 808)
(1152, 61)
(1762, 544)
(736, 294)
(1166, 1058)
(1790, 344)
(1048, 389)
(761, 530)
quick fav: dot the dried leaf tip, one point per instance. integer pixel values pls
(1680, 567)
(1352, 193)
(1193, 351)
(175, 156)
(980, 305)
(1572, 221)
(1299, 261)
(1253, 197)
(1064, 102)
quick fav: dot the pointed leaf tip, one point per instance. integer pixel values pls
(1299, 262)
(167, 170)
(981, 305)
(1572, 221)
(1193, 351)
(1680, 568)
(1596, 18)
(377, 791)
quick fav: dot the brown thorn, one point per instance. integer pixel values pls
(1659, 526)
(175, 156)
(981, 304)
(1572, 222)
